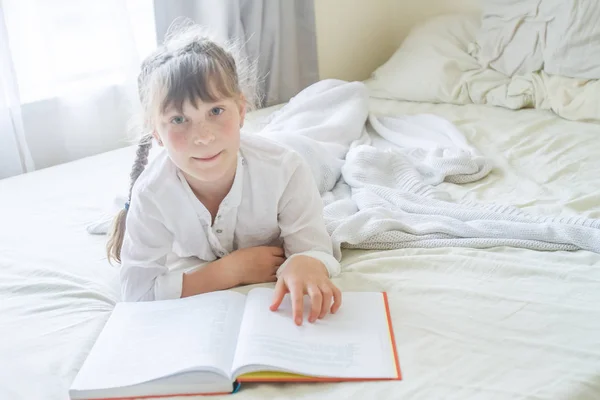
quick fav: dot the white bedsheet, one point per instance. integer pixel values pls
(500, 323)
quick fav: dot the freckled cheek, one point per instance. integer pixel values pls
(230, 128)
(177, 141)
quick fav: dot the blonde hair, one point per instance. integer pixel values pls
(189, 66)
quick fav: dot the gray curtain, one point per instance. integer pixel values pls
(279, 35)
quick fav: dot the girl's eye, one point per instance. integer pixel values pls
(178, 120)
(217, 111)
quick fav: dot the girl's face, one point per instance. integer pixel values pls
(203, 142)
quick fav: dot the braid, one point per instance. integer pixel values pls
(141, 160)
(198, 47)
(115, 241)
(117, 234)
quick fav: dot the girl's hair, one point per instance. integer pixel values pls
(189, 66)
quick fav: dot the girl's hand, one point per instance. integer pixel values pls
(255, 264)
(306, 275)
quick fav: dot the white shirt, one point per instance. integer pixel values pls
(274, 200)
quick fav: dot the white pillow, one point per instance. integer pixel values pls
(434, 65)
(573, 40)
(561, 37)
(512, 35)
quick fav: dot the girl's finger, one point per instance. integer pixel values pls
(337, 299)
(327, 300)
(278, 251)
(278, 261)
(316, 302)
(279, 294)
(297, 295)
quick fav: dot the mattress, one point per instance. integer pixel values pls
(498, 323)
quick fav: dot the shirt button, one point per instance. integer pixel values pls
(221, 253)
(219, 231)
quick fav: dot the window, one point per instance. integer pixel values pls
(62, 46)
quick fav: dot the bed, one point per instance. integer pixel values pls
(493, 323)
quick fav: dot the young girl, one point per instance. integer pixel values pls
(246, 206)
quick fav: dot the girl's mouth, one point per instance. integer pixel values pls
(206, 159)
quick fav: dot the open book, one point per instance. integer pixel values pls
(211, 342)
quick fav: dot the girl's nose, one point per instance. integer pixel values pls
(203, 137)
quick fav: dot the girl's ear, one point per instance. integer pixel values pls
(157, 137)
(242, 109)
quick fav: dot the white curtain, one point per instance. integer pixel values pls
(68, 68)
(280, 35)
(14, 154)
(67, 77)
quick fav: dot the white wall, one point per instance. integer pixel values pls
(354, 37)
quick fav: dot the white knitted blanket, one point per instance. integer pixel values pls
(377, 176)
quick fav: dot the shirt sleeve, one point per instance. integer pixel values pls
(147, 242)
(301, 221)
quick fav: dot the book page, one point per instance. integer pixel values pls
(353, 343)
(149, 340)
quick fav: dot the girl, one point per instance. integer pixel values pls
(246, 206)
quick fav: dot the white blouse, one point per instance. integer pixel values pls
(274, 200)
